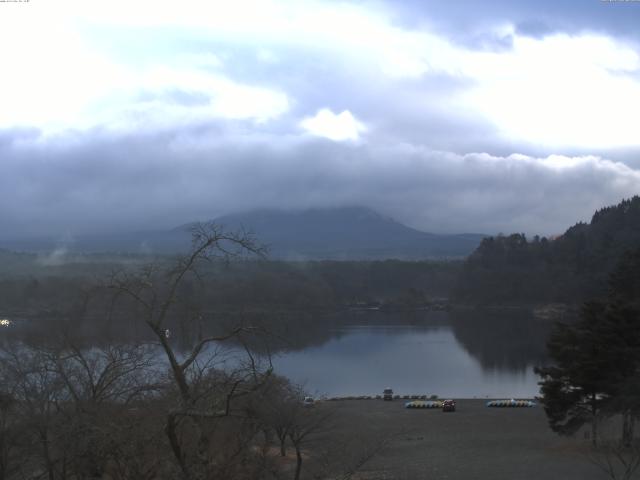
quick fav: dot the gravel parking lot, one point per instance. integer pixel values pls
(475, 442)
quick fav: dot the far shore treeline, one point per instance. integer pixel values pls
(27, 285)
(503, 270)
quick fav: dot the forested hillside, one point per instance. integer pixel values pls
(30, 283)
(570, 268)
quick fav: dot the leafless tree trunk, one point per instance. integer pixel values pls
(616, 460)
(305, 424)
(628, 424)
(156, 292)
(9, 436)
(68, 402)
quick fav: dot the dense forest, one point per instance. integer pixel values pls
(570, 268)
(27, 285)
(287, 297)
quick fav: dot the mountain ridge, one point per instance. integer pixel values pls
(354, 233)
(340, 233)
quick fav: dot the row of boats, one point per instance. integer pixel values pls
(511, 403)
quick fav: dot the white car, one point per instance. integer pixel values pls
(308, 402)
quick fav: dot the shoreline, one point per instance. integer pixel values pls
(402, 398)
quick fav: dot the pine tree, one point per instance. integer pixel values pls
(596, 368)
(575, 389)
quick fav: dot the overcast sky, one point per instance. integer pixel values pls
(461, 116)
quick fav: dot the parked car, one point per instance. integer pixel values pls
(308, 402)
(449, 406)
(387, 394)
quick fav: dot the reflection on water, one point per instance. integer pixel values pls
(458, 355)
(464, 353)
(502, 339)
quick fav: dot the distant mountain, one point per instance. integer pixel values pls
(350, 233)
(570, 268)
(354, 233)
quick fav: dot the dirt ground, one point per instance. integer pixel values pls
(475, 442)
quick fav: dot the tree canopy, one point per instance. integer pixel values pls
(597, 359)
(569, 268)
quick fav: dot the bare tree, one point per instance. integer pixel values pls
(307, 423)
(617, 457)
(10, 437)
(36, 393)
(278, 408)
(67, 402)
(617, 460)
(204, 394)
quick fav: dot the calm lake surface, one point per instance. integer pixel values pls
(460, 354)
(451, 355)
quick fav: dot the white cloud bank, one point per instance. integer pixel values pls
(558, 91)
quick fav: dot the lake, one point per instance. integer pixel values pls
(460, 355)
(465, 353)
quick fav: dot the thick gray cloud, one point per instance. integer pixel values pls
(163, 180)
(467, 117)
(615, 18)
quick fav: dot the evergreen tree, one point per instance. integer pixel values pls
(575, 389)
(597, 359)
